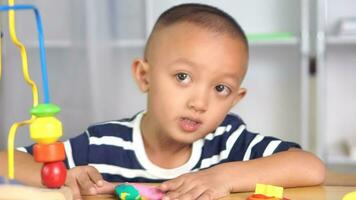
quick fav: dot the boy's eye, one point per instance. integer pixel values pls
(183, 78)
(223, 90)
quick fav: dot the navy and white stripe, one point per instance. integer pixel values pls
(116, 149)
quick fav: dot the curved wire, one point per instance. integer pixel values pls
(40, 39)
(12, 132)
(10, 145)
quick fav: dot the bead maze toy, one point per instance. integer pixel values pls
(45, 128)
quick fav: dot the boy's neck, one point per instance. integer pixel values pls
(159, 149)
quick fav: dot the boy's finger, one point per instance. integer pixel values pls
(182, 191)
(170, 185)
(171, 196)
(206, 195)
(95, 176)
(106, 188)
(193, 193)
(75, 189)
(86, 184)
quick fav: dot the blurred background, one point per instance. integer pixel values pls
(301, 80)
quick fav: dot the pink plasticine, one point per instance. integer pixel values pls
(148, 192)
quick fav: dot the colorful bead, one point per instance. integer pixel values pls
(46, 130)
(45, 110)
(49, 152)
(54, 174)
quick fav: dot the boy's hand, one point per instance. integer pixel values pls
(205, 184)
(86, 180)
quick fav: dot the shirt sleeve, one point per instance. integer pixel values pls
(252, 145)
(76, 150)
(248, 145)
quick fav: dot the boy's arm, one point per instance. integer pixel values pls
(290, 168)
(27, 171)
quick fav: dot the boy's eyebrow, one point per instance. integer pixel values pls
(233, 78)
(192, 64)
(184, 61)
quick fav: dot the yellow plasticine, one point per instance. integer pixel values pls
(269, 190)
(46, 130)
(350, 196)
(10, 145)
(123, 196)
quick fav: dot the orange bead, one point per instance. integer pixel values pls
(49, 152)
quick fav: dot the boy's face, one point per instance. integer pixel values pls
(192, 76)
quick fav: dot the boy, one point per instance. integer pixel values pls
(194, 62)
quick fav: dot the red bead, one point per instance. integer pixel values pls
(53, 174)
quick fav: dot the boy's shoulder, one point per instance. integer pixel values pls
(120, 127)
(232, 119)
(231, 123)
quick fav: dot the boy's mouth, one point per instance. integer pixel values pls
(189, 124)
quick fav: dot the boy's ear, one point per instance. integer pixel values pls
(140, 70)
(240, 94)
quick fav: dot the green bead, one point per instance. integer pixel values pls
(127, 192)
(45, 110)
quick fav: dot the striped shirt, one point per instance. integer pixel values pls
(116, 150)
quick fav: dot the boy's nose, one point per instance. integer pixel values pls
(199, 101)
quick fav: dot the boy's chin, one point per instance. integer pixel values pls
(185, 139)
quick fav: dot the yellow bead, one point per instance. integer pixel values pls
(46, 130)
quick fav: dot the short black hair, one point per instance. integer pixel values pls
(206, 16)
